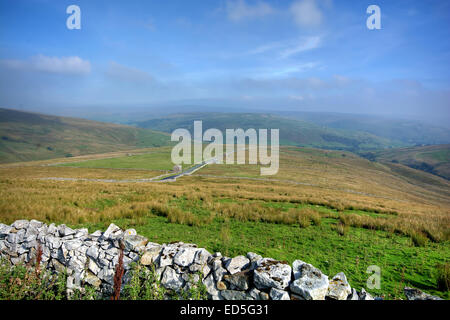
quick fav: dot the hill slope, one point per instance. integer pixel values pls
(406, 131)
(28, 136)
(292, 132)
(432, 159)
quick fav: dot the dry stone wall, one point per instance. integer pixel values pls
(92, 258)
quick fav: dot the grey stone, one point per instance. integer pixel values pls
(416, 294)
(185, 256)
(203, 268)
(31, 232)
(4, 231)
(30, 244)
(364, 295)
(234, 295)
(236, 264)
(77, 263)
(112, 252)
(13, 238)
(189, 277)
(102, 259)
(65, 231)
(167, 255)
(135, 243)
(254, 258)
(59, 267)
(92, 280)
(93, 252)
(211, 288)
(73, 244)
(18, 260)
(219, 273)
(53, 230)
(171, 279)
(96, 234)
(113, 232)
(150, 255)
(106, 245)
(151, 245)
(277, 294)
(22, 249)
(81, 233)
(2, 246)
(93, 267)
(54, 242)
(107, 275)
(238, 281)
(254, 294)
(310, 282)
(20, 224)
(353, 295)
(271, 273)
(36, 224)
(339, 288)
(202, 256)
(215, 263)
(127, 261)
(129, 232)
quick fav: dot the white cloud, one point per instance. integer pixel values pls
(306, 13)
(68, 65)
(63, 65)
(128, 74)
(306, 44)
(238, 10)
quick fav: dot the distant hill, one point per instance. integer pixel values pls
(409, 132)
(432, 159)
(292, 132)
(28, 136)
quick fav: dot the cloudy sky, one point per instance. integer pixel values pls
(310, 55)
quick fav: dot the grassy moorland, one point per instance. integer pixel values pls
(433, 159)
(410, 132)
(341, 213)
(155, 159)
(28, 136)
(292, 132)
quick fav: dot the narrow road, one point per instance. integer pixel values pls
(160, 178)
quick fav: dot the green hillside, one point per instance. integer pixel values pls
(292, 132)
(28, 136)
(432, 159)
(406, 131)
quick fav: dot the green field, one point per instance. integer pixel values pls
(156, 160)
(400, 261)
(359, 213)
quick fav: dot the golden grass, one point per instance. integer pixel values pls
(359, 193)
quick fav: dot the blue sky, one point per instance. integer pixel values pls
(311, 55)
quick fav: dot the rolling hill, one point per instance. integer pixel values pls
(432, 159)
(338, 210)
(409, 132)
(28, 136)
(292, 132)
